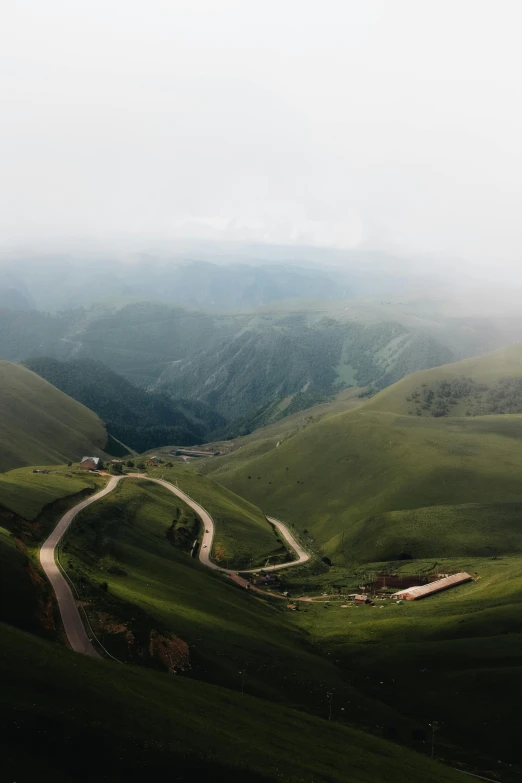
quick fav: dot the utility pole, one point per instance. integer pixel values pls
(434, 727)
(330, 698)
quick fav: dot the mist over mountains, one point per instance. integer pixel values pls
(220, 279)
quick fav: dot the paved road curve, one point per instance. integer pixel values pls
(72, 622)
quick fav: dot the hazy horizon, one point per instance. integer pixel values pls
(377, 126)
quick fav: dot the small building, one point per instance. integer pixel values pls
(154, 461)
(414, 593)
(91, 463)
(361, 599)
(194, 453)
(266, 579)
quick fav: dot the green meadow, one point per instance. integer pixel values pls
(26, 494)
(243, 537)
(372, 482)
(40, 424)
(452, 657)
(235, 638)
(126, 722)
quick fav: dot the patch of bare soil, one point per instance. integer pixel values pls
(171, 651)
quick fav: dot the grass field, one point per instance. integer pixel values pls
(482, 369)
(243, 538)
(333, 476)
(20, 608)
(453, 657)
(126, 723)
(469, 529)
(26, 493)
(41, 425)
(152, 586)
(337, 477)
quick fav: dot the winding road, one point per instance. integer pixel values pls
(74, 627)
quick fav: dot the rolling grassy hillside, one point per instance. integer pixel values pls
(243, 537)
(138, 722)
(41, 425)
(452, 657)
(26, 493)
(482, 370)
(16, 582)
(155, 591)
(334, 477)
(30, 505)
(122, 540)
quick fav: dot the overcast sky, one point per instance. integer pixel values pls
(390, 124)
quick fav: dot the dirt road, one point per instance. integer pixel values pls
(74, 628)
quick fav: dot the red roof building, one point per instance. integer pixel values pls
(413, 593)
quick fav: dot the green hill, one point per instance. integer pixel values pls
(41, 425)
(478, 386)
(243, 537)
(143, 420)
(453, 658)
(139, 723)
(335, 476)
(26, 493)
(250, 366)
(154, 594)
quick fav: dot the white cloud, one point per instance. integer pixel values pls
(334, 122)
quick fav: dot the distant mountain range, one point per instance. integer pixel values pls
(226, 373)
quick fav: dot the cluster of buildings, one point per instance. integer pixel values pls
(96, 463)
(91, 463)
(421, 591)
(265, 580)
(412, 591)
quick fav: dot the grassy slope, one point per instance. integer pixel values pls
(340, 472)
(135, 722)
(15, 582)
(482, 369)
(243, 538)
(453, 657)
(26, 493)
(228, 629)
(468, 529)
(353, 466)
(40, 424)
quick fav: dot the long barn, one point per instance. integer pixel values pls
(413, 593)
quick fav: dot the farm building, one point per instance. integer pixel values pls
(413, 593)
(266, 579)
(91, 463)
(194, 453)
(361, 599)
(154, 461)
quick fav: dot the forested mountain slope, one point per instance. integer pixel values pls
(143, 420)
(251, 367)
(40, 425)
